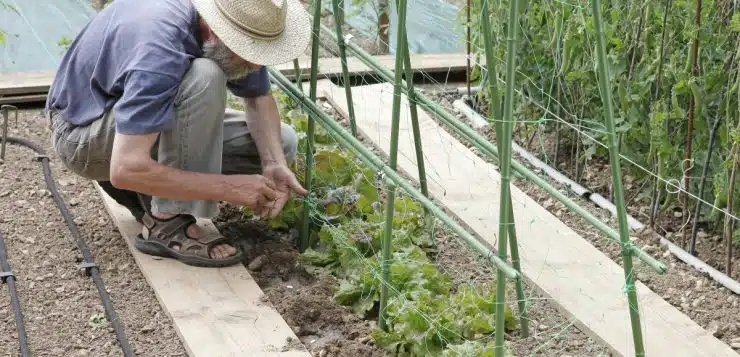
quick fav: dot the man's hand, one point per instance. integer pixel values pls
(285, 183)
(253, 191)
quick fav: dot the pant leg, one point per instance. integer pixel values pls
(240, 154)
(196, 139)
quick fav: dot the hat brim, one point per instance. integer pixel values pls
(291, 43)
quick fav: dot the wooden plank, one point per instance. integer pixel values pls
(332, 66)
(582, 281)
(216, 311)
(26, 98)
(15, 83)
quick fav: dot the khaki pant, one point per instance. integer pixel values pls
(207, 137)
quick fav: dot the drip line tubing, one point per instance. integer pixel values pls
(6, 276)
(87, 265)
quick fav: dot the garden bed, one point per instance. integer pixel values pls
(295, 285)
(711, 305)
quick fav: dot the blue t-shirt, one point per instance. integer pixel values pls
(131, 57)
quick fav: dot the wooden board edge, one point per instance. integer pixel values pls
(26, 83)
(23, 99)
(112, 207)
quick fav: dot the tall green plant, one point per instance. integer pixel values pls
(648, 51)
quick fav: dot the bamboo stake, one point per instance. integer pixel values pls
(617, 181)
(411, 95)
(306, 224)
(488, 149)
(345, 72)
(505, 168)
(496, 110)
(395, 123)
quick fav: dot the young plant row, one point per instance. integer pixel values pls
(427, 316)
(674, 68)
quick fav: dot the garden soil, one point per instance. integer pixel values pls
(301, 295)
(61, 306)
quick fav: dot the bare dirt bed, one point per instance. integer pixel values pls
(62, 309)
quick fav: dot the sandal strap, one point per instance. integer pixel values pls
(172, 232)
(167, 227)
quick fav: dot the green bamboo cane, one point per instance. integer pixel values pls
(346, 139)
(614, 159)
(494, 101)
(386, 256)
(306, 224)
(338, 20)
(395, 123)
(505, 167)
(298, 76)
(486, 148)
(411, 95)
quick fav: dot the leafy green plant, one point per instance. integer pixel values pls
(425, 315)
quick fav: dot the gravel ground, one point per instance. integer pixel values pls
(62, 309)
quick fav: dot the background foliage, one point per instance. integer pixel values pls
(649, 47)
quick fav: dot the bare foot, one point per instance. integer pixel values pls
(217, 252)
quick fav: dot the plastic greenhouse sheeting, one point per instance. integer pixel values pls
(432, 25)
(36, 30)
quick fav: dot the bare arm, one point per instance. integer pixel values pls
(263, 119)
(132, 168)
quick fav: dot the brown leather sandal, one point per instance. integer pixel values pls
(169, 238)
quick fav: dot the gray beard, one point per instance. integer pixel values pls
(217, 52)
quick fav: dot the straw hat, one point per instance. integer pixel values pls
(265, 32)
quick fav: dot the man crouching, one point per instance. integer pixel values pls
(138, 104)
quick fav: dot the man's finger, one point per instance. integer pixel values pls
(269, 193)
(277, 206)
(296, 186)
(269, 183)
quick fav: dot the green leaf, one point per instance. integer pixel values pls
(735, 24)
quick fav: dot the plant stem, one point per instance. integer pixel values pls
(735, 156)
(690, 121)
(638, 34)
(656, 189)
(614, 159)
(702, 181)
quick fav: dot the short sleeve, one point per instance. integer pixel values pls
(254, 84)
(147, 104)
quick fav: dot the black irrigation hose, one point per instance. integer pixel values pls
(88, 265)
(6, 275)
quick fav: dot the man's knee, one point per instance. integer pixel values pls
(290, 142)
(204, 81)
